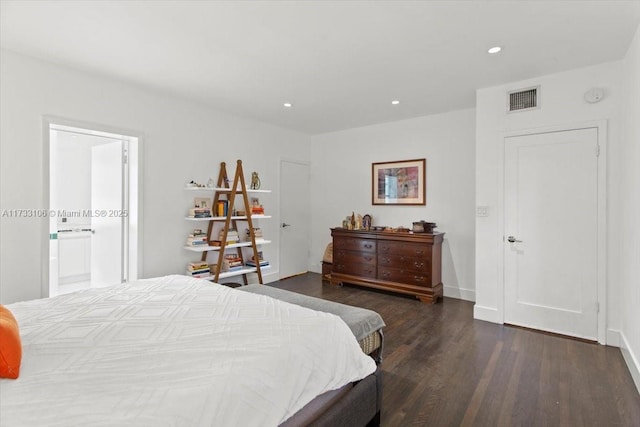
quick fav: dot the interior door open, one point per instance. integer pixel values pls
(108, 214)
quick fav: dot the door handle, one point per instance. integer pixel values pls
(284, 224)
(512, 239)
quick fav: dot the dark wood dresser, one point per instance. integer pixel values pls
(400, 262)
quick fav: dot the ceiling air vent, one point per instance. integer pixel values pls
(524, 99)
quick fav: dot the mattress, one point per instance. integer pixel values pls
(174, 351)
(366, 325)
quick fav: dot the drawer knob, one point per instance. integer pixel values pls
(368, 246)
(418, 264)
(418, 278)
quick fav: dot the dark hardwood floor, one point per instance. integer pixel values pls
(443, 368)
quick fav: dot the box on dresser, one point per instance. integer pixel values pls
(409, 263)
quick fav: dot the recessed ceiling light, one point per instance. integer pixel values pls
(396, 102)
(495, 49)
(288, 104)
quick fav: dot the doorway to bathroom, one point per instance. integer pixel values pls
(93, 208)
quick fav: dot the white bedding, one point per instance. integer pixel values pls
(174, 351)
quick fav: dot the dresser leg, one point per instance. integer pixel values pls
(428, 299)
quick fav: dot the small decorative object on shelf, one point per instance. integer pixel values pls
(366, 222)
(423, 227)
(256, 207)
(193, 184)
(355, 222)
(255, 181)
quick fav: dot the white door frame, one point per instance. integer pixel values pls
(601, 126)
(135, 200)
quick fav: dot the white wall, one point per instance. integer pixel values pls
(629, 233)
(182, 141)
(562, 104)
(341, 184)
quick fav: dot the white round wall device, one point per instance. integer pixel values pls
(594, 95)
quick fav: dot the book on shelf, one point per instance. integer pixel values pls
(199, 275)
(200, 213)
(232, 236)
(256, 207)
(197, 232)
(222, 208)
(198, 265)
(252, 263)
(194, 241)
(257, 233)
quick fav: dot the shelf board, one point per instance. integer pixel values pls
(240, 272)
(223, 218)
(224, 190)
(207, 248)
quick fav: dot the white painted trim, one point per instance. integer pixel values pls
(273, 276)
(603, 139)
(632, 360)
(47, 121)
(602, 130)
(45, 231)
(459, 293)
(613, 338)
(488, 314)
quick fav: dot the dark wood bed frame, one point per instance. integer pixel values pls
(357, 406)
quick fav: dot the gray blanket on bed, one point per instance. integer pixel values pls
(361, 321)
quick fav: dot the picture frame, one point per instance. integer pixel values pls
(401, 182)
(202, 202)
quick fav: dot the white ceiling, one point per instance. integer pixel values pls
(339, 62)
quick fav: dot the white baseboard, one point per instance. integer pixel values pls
(459, 293)
(631, 359)
(272, 276)
(613, 338)
(485, 313)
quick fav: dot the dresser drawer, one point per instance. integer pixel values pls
(354, 269)
(348, 257)
(418, 265)
(406, 249)
(404, 276)
(353, 244)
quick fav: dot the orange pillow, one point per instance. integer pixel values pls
(10, 345)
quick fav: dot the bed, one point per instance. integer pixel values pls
(176, 351)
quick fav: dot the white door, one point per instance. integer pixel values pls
(107, 214)
(294, 214)
(551, 232)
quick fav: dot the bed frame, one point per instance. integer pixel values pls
(356, 404)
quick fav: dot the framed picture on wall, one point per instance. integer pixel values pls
(401, 182)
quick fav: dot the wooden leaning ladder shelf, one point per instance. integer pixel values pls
(229, 193)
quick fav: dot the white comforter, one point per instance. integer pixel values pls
(174, 351)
